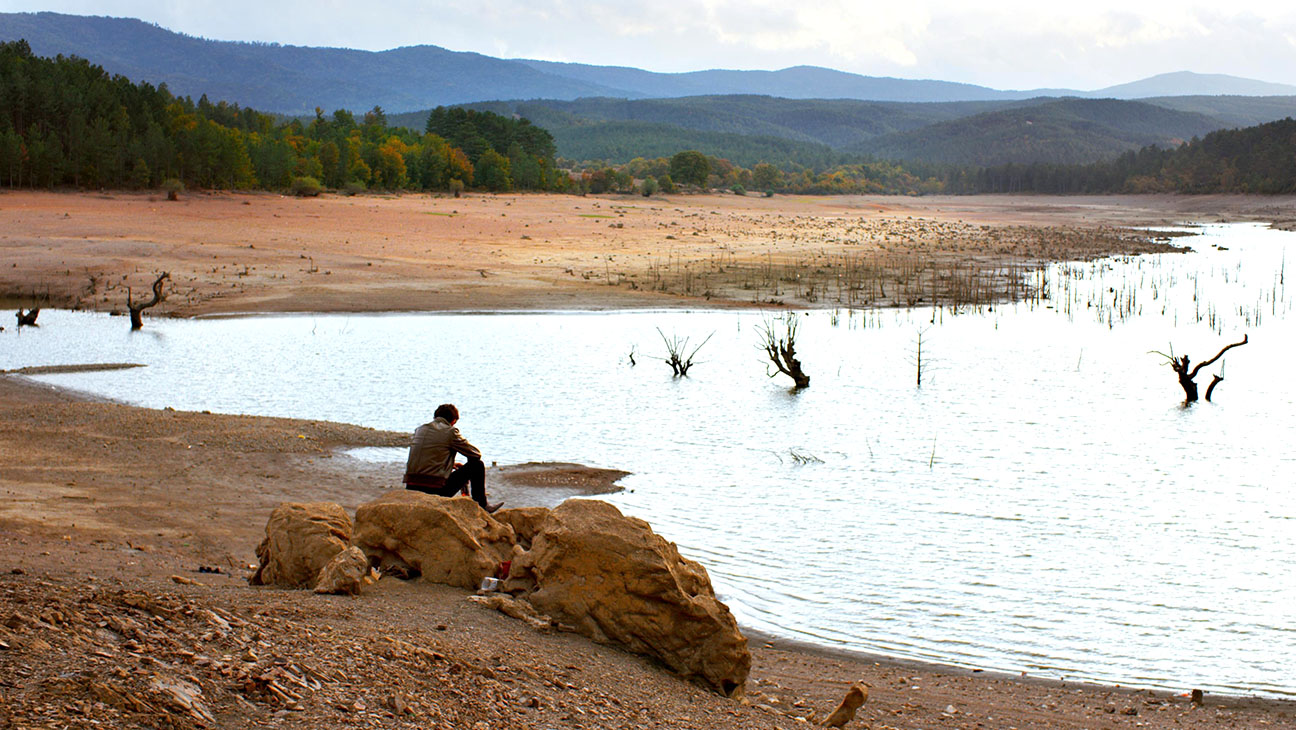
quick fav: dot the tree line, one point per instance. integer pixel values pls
(1258, 160)
(67, 122)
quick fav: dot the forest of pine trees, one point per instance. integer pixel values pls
(67, 123)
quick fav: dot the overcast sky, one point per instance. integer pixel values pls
(1012, 44)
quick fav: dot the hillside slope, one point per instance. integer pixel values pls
(1067, 131)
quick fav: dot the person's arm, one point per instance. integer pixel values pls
(461, 445)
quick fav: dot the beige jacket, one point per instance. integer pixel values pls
(432, 455)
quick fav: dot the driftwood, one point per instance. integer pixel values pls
(781, 351)
(28, 318)
(137, 308)
(1187, 377)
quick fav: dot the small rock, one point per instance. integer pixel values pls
(855, 698)
(1129, 711)
(398, 705)
(950, 709)
(345, 574)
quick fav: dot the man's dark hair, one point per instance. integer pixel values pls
(447, 411)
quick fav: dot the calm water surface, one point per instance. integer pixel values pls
(1043, 503)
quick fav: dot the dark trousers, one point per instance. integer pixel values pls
(472, 474)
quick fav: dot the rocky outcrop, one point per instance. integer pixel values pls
(301, 538)
(451, 541)
(345, 574)
(614, 580)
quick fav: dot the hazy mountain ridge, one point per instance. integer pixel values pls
(285, 79)
(296, 79)
(797, 82)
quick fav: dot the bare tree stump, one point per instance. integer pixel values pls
(137, 308)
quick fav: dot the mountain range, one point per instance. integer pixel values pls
(796, 117)
(296, 80)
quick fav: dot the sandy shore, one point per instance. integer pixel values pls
(105, 503)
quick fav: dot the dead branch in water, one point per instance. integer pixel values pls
(1186, 376)
(781, 351)
(137, 308)
(28, 318)
(675, 348)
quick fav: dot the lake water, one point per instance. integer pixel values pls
(1042, 503)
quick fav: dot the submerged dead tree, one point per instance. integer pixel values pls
(781, 351)
(920, 364)
(675, 348)
(137, 308)
(28, 318)
(1187, 377)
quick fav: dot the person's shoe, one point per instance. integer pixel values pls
(493, 508)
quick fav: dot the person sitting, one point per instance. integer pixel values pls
(431, 467)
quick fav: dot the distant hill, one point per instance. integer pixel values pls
(748, 129)
(286, 79)
(1232, 111)
(294, 79)
(1187, 83)
(834, 122)
(798, 82)
(1066, 131)
(617, 141)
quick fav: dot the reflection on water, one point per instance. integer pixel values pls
(1043, 503)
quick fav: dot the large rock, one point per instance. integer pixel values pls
(616, 581)
(447, 540)
(300, 539)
